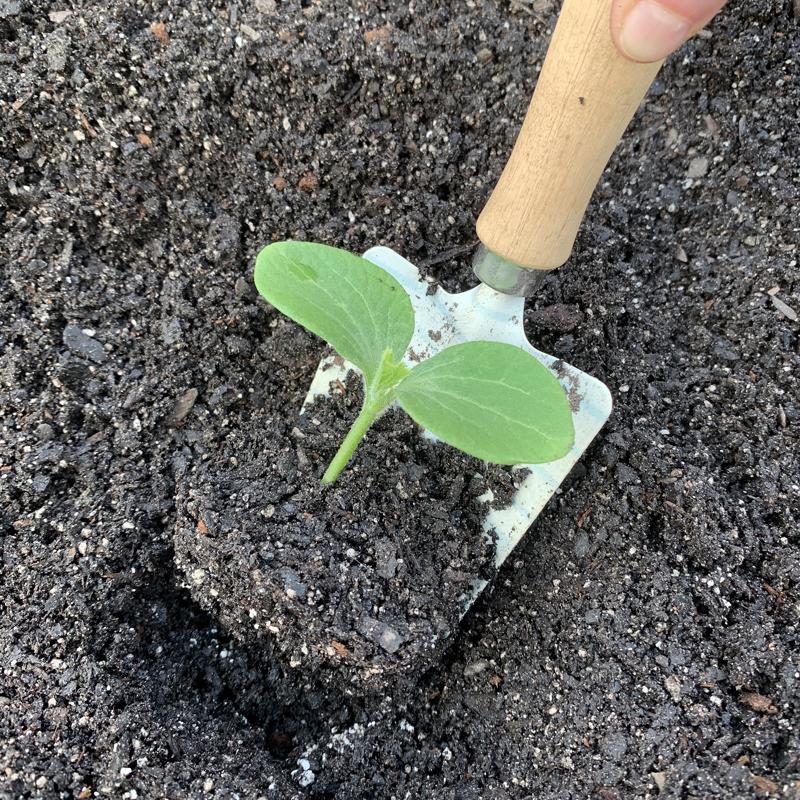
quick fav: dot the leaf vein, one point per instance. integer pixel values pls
(487, 409)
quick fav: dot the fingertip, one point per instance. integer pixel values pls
(649, 30)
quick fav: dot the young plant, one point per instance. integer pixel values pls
(494, 401)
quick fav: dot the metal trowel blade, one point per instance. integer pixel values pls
(482, 314)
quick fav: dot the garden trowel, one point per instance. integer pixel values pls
(585, 97)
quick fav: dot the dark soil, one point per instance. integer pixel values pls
(360, 585)
(643, 640)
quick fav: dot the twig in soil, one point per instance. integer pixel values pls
(784, 309)
(446, 255)
(526, 7)
(17, 104)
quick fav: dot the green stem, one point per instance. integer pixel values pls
(378, 395)
(362, 424)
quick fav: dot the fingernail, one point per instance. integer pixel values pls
(650, 32)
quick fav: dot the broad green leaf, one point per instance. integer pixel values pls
(491, 400)
(351, 303)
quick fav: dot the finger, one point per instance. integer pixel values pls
(649, 30)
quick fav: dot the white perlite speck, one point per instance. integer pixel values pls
(304, 774)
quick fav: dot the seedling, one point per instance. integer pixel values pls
(492, 400)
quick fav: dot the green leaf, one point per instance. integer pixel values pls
(351, 303)
(491, 400)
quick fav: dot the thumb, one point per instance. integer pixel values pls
(649, 30)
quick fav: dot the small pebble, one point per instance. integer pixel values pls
(614, 746)
(476, 667)
(57, 51)
(698, 167)
(306, 777)
(44, 432)
(381, 634)
(250, 33)
(386, 558)
(673, 686)
(660, 780)
(83, 345)
(183, 406)
(581, 545)
(295, 589)
(241, 288)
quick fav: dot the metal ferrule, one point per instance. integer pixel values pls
(505, 276)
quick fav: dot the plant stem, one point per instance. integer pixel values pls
(366, 417)
(378, 395)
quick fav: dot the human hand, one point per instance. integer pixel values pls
(649, 30)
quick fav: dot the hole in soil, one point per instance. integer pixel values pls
(279, 743)
(132, 22)
(655, 532)
(443, 192)
(326, 126)
(7, 32)
(780, 751)
(120, 703)
(774, 520)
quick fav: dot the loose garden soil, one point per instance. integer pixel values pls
(360, 585)
(641, 642)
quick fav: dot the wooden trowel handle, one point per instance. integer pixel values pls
(586, 95)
